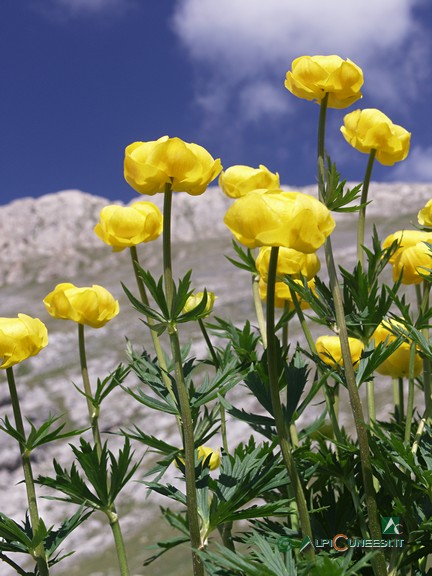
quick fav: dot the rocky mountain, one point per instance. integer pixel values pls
(49, 240)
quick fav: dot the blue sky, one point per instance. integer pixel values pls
(81, 79)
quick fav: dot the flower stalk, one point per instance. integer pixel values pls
(94, 422)
(379, 564)
(39, 552)
(362, 214)
(183, 396)
(281, 429)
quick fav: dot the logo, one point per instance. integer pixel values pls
(390, 525)
(305, 543)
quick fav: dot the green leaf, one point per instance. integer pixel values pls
(246, 262)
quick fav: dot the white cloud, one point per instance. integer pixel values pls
(417, 167)
(252, 42)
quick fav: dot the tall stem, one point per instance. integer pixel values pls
(362, 214)
(183, 396)
(277, 407)
(94, 422)
(39, 553)
(259, 309)
(379, 564)
(92, 409)
(410, 402)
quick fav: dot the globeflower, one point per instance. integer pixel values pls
(203, 453)
(195, 299)
(21, 338)
(150, 166)
(290, 262)
(425, 215)
(329, 350)
(125, 226)
(397, 364)
(405, 239)
(370, 129)
(312, 77)
(412, 264)
(93, 306)
(278, 218)
(238, 180)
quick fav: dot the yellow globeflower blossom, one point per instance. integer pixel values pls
(195, 299)
(291, 262)
(238, 180)
(425, 215)
(277, 218)
(370, 129)
(21, 338)
(413, 263)
(397, 364)
(312, 77)
(405, 239)
(283, 293)
(150, 166)
(125, 226)
(329, 350)
(203, 453)
(93, 306)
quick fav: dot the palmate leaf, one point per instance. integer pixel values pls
(163, 546)
(336, 198)
(224, 380)
(14, 538)
(144, 308)
(107, 385)
(157, 291)
(159, 446)
(56, 537)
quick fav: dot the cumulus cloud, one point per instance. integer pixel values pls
(239, 45)
(417, 167)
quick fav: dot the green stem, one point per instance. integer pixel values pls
(410, 401)
(396, 399)
(401, 389)
(304, 325)
(259, 310)
(277, 407)
(285, 329)
(92, 409)
(183, 396)
(39, 552)
(379, 564)
(370, 392)
(362, 214)
(119, 542)
(94, 422)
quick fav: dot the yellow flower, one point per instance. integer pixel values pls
(238, 180)
(397, 364)
(405, 239)
(425, 215)
(412, 264)
(150, 166)
(215, 459)
(329, 350)
(370, 129)
(125, 226)
(278, 218)
(312, 77)
(195, 299)
(21, 338)
(93, 306)
(203, 452)
(283, 293)
(290, 261)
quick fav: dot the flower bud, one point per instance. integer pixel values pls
(397, 364)
(425, 215)
(195, 299)
(21, 338)
(290, 261)
(283, 293)
(329, 350)
(93, 306)
(125, 226)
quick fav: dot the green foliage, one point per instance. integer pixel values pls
(336, 197)
(246, 259)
